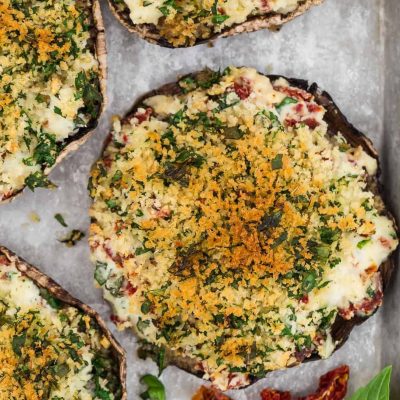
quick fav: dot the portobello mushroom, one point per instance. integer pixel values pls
(184, 23)
(52, 345)
(52, 86)
(238, 225)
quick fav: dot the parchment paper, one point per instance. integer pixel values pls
(350, 48)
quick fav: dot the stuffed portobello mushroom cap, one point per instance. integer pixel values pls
(52, 345)
(52, 86)
(238, 225)
(184, 24)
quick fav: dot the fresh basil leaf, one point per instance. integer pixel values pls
(377, 389)
(155, 388)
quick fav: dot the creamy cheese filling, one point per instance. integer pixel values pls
(193, 20)
(48, 86)
(48, 350)
(229, 227)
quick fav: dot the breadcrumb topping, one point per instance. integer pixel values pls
(49, 86)
(230, 227)
(49, 350)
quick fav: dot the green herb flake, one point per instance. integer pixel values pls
(72, 238)
(51, 300)
(309, 282)
(146, 306)
(141, 250)
(161, 360)
(219, 19)
(277, 162)
(17, 343)
(280, 240)
(361, 244)
(286, 101)
(117, 176)
(60, 219)
(38, 180)
(58, 111)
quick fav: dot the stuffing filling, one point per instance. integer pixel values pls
(183, 22)
(49, 350)
(228, 226)
(49, 86)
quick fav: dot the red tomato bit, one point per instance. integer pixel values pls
(143, 115)
(242, 88)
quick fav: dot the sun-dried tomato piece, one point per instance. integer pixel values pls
(269, 394)
(299, 108)
(312, 123)
(296, 93)
(312, 107)
(117, 320)
(107, 161)
(290, 122)
(129, 289)
(370, 305)
(366, 307)
(265, 6)
(115, 257)
(305, 299)
(209, 393)
(332, 385)
(4, 260)
(385, 242)
(242, 88)
(143, 115)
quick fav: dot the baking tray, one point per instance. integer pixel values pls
(351, 48)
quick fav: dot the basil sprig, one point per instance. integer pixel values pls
(377, 389)
(155, 388)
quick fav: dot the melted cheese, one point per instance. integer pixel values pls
(185, 21)
(227, 222)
